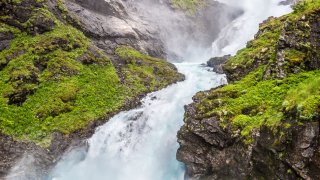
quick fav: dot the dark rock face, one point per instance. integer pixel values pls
(211, 151)
(299, 40)
(217, 62)
(12, 151)
(295, 156)
(213, 148)
(24, 16)
(5, 39)
(287, 2)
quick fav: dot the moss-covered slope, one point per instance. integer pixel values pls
(53, 79)
(189, 6)
(257, 123)
(276, 75)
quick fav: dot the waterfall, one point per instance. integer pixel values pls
(140, 144)
(235, 36)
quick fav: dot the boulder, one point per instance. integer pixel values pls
(217, 62)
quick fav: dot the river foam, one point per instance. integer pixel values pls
(140, 144)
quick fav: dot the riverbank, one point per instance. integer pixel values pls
(265, 124)
(58, 85)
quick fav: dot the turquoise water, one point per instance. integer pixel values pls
(141, 143)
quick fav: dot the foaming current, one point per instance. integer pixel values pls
(235, 36)
(141, 144)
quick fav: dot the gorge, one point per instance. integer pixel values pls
(116, 110)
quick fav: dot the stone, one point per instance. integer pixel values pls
(217, 62)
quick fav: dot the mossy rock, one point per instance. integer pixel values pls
(57, 80)
(258, 96)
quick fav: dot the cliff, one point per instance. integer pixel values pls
(65, 68)
(265, 123)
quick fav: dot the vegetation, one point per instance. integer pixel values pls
(253, 102)
(257, 97)
(142, 72)
(306, 6)
(190, 6)
(58, 81)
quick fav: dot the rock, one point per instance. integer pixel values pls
(110, 25)
(16, 153)
(213, 147)
(287, 2)
(211, 151)
(26, 16)
(216, 63)
(5, 39)
(41, 24)
(298, 37)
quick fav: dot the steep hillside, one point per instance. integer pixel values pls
(56, 84)
(265, 124)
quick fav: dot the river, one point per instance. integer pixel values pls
(141, 144)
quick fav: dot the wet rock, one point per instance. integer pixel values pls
(17, 154)
(287, 2)
(217, 62)
(5, 39)
(211, 151)
(210, 144)
(110, 25)
(27, 16)
(41, 24)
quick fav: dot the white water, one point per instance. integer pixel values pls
(141, 144)
(235, 36)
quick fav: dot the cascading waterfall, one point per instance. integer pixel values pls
(235, 36)
(140, 144)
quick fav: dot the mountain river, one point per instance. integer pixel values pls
(141, 144)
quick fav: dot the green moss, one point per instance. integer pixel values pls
(262, 48)
(58, 81)
(294, 57)
(257, 98)
(306, 6)
(6, 28)
(61, 92)
(190, 6)
(305, 99)
(253, 102)
(143, 71)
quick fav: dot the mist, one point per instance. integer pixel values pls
(187, 37)
(234, 36)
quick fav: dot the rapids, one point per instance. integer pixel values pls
(140, 144)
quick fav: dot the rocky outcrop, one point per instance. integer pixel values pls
(11, 152)
(258, 126)
(59, 57)
(110, 24)
(295, 45)
(211, 151)
(217, 62)
(5, 39)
